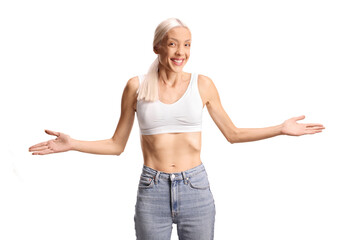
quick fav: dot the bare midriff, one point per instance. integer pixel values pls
(172, 152)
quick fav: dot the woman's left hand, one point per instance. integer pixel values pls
(292, 128)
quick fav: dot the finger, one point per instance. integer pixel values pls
(314, 125)
(36, 149)
(299, 118)
(47, 151)
(312, 131)
(52, 132)
(38, 145)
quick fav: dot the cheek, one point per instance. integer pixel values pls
(163, 57)
(165, 54)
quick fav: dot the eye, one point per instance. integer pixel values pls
(171, 44)
(187, 45)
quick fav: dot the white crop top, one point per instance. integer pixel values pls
(185, 115)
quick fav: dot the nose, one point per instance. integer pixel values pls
(180, 51)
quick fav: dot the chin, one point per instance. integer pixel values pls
(178, 68)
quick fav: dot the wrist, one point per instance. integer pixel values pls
(72, 144)
(281, 129)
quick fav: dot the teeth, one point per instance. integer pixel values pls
(178, 61)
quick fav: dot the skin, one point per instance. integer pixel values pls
(172, 152)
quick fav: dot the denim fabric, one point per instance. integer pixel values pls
(182, 198)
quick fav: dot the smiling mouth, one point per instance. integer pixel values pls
(177, 61)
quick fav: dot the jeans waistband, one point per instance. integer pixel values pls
(174, 176)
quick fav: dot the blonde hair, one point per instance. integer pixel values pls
(148, 90)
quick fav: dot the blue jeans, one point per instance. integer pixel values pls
(182, 198)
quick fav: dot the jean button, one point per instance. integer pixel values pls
(172, 177)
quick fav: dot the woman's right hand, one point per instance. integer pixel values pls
(60, 144)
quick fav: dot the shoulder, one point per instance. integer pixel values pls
(129, 95)
(205, 83)
(133, 83)
(207, 88)
(130, 91)
(132, 86)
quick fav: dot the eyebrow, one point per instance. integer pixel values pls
(189, 40)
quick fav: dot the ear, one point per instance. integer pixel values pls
(156, 50)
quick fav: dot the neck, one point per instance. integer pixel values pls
(169, 77)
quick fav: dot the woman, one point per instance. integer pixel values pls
(173, 186)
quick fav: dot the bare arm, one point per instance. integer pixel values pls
(235, 135)
(116, 144)
(112, 146)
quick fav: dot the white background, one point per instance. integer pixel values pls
(64, 65)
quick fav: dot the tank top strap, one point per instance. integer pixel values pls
(194, 83)
(194, 80)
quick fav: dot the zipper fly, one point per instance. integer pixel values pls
(174, 196)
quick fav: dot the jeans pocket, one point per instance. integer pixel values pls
(199, 182)
(146, 182)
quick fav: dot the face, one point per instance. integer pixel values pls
(174, 49)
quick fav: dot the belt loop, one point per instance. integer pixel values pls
(186, 179)
(157, 177)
